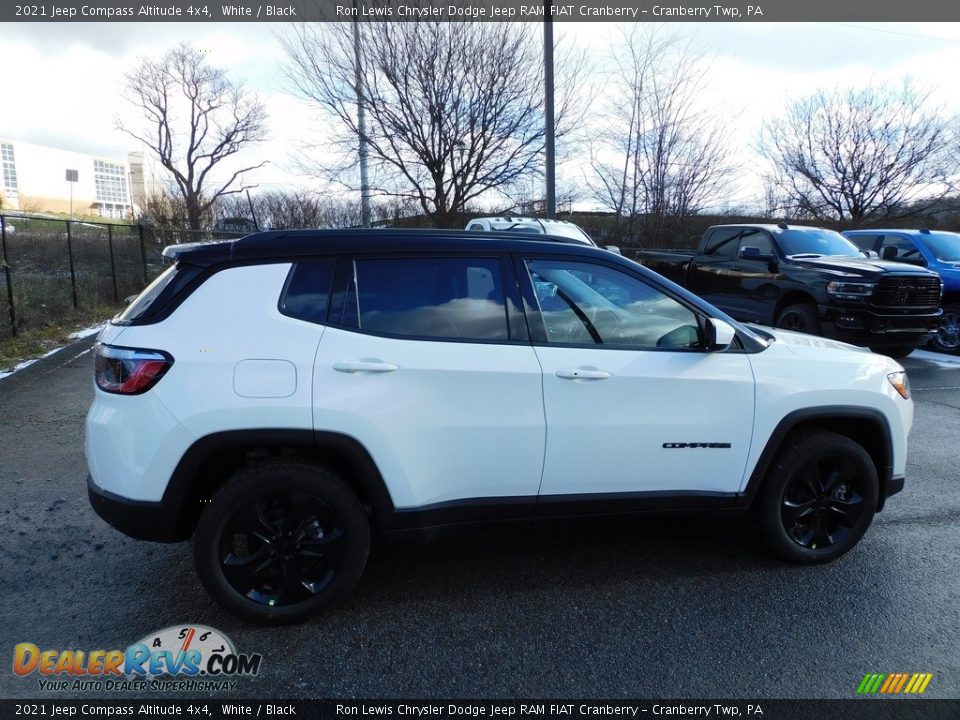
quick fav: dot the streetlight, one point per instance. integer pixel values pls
(550, 164)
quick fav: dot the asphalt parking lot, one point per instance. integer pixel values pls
(645, 609)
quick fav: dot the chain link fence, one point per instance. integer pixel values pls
(55, 271)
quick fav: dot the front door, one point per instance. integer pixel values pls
(634, 404)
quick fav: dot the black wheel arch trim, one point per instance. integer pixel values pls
(882, 455)
(343, 453)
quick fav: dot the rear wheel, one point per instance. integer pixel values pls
(800, 317)
(818, 498)
(281, 541)
(947, 338)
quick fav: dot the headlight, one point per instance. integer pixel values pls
(900, 383)
(850, 290)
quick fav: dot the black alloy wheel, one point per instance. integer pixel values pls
(818, 498)
(282, 548)
(823, 502)
(282, 540)
(897, 352)
(800, 318)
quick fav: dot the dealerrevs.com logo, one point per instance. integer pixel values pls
(184, 657)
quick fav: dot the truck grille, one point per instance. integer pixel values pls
(918, 292)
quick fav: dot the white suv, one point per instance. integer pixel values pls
(280, 396)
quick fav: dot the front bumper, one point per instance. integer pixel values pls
(139, 519)
(891, 487)
(862, 326)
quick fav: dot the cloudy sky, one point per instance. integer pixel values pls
(62, 81)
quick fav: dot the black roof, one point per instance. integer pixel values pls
(286, 244)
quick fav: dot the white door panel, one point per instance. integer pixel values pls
(444, 420)
(610, 414)
(607, 428)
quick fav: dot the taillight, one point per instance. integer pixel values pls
(129, 371)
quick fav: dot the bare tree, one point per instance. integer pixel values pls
(661, 157)
(196, 118)
(282, 209)
(848, 157)
(453, 110)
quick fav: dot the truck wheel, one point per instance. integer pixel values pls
(800, 317)
(818, 498)
(897, 352)
(280, 541)
(947, 339)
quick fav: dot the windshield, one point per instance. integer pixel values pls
(944, 246)
(815, 242)
(569, 231)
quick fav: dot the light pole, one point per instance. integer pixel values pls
(361, 125)
(550, 164)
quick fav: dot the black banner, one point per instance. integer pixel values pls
(481, 10)
(854, 709)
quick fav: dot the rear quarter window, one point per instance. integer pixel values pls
(155, 300)
(306, 295)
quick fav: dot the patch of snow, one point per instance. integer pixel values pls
(78, 335)
(942, 359)
(86, 332)
(25, 363)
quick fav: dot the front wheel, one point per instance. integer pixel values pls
(801, 318)
(818, 498)
(897, 352)
(947, 339)
(280, 541)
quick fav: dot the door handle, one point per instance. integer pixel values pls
(736, 268)
(582, 374)
(352, 366)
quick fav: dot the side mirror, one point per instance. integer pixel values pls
(613, 248)
(720, 334)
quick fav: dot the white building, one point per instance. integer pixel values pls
(35, 180)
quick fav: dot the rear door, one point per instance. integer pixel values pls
(426, 361)
(635, 406)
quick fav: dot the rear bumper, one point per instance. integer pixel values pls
(139, 519)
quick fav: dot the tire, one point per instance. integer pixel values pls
(818, 498)
(947, 339)
(800, 317)
(897, 352)
(280, 541)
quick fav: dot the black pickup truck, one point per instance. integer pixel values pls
(807, 279)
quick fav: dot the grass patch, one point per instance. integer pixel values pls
(35, 342)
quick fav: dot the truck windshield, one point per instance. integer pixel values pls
(944, 246)
(814, 242)
(569, 231)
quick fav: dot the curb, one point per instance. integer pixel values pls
(47, 364)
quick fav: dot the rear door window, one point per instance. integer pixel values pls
(723, 242)
(440, 298)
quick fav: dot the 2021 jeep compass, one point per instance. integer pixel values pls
(283, 396)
